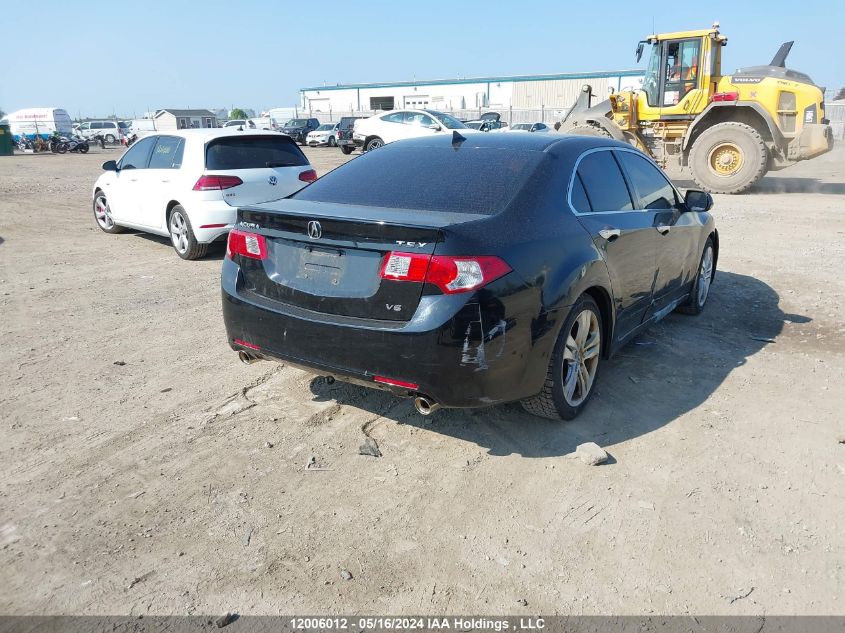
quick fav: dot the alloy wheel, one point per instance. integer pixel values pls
(581, 357)
(705, 275)
(103, 213)
(179, 232)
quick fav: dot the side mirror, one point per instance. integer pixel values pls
(435, 127)
(698, 201)
(110, 165)
(640, 46)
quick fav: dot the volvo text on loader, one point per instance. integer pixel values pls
(729, 130)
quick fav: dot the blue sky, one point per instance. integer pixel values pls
(126, 57)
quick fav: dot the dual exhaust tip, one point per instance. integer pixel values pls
(247, 359)
(423, 404)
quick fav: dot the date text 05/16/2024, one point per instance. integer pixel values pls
(417, 623)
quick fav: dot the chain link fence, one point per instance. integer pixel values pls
(836, 113)
(511, 115)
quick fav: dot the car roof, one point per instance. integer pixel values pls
(209, 133)
(529, 142)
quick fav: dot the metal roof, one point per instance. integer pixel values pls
(482, 80)
(186, 112)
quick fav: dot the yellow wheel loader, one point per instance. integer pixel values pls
(728, 130)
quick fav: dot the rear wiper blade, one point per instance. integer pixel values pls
(272, 164)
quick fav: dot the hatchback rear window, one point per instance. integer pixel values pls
(253, 152)
(470, 180)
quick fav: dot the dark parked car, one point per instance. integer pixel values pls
(465, 272)
(298, 129)
(344, 133)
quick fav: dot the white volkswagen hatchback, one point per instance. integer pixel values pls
(187, 184)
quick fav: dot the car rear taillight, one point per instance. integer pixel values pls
(246, 244)
(451, 274)
(213, 183)
(725, 96)
(308, 176)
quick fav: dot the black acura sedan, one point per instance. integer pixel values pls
(469, 271)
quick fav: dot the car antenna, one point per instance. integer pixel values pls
(457, 139)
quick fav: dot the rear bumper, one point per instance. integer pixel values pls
(813, 140)
(460, 351)
(215, 215)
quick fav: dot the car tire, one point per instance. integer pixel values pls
(728, 158)
(182, 235)
(332, 142)
(110, 138)
(102, 214)
(703, 280)
(347, 149)
(574, 365)
(373, 143)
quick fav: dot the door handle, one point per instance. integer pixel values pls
(165, 180)
(610, 234)
(663, 229)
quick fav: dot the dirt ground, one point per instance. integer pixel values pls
(144, 470)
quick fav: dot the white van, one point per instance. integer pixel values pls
(141, 125)
(39, 121)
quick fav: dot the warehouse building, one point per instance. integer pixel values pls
(553, 92)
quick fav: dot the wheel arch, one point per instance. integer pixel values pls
(169, 210)
(748, 112)
(602, 298)
(714, 235)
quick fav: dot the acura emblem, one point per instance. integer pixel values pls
(272, 180)
(315, 231)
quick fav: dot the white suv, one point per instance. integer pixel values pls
(396, 125)
(187, 184)
(111, 131)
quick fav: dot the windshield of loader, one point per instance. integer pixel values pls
(651, 83)
(674, 64)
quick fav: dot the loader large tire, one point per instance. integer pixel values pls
(587, 129)
(728, 158)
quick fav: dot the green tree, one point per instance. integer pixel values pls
(2, 113)
(237, 113)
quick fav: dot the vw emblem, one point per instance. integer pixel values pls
(272, 180)
(315, 231)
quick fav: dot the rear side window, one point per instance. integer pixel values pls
(603, 182)
(471, 180)
(167, 153)
(579, 196)
(137, 156)
(651, 187)
(253, 152)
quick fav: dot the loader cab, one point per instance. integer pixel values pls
(680, 75)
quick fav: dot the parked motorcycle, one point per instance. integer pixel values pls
(77, 144)
(25, 144)
(58, 144)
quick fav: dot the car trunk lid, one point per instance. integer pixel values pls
(331, 258)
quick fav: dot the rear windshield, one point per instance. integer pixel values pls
(253, 152)
(470, 180)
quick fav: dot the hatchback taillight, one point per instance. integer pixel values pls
(308, 176)
(246, 244)
(213, 183)
(451, 274)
